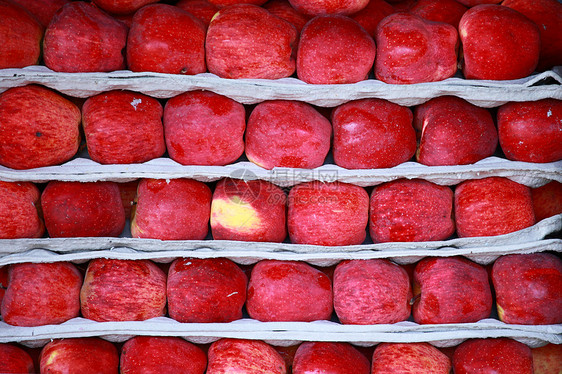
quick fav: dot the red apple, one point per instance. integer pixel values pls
(128, 191)
(3, 282)
(244, 356)
(492, 206)
(42, 10)
(498, 42)
(82, 38)
(123, 290)
(161, 355)
(74, 209)
(246, 41)
(41, 294)
(39, 128)
(528, 288)
(123, 127)
(20, 36)
(452, 131)
(14, 359)
(206, 290)
(334, 49)
(471, 3)
(419, 358)
(252, 210)
(327, 214)
(547, 200)
(288, 355)
(411, 210)
(450, 290)
(547, 14)
(498, 356)
(368, 292)
(448, 11)
(329, 357)
(176, 209)
(20, 211)
(122, 6)
(323, 7)
(547, 359)
(282, 133)
(370, 16)
(223, 3)
(284, 10)
(411, 49)
(372, 133)
(204, 128)
(531, 131)
(166, 39)
(283, 291)
(204, 10)
(79, 355)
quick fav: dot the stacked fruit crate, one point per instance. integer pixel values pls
(298, 241)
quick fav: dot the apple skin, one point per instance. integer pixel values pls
(75, 209)
(411, 210)
(471, 3)
(73, 40)
(204, 128)
(253, 210)
(176, 209)
(419, 358)
(372, 133)
(42, 10)
(3, 281)
(284, 133)
(547, 14)
(224, 3)
(492, 206)
(79, 355)
(123, 127)
(123, 290)
(448, 11)
(20, 37)
(20, 211)
(547, 359)
(328, 214)
(498, 42)
(244, 356)
(368, 292)
(161, 355)
(411, 49)
(128, 191)
(15, 360)
(334, 49)
(528, 288)
(370, 16)
(122, 7)
(206, 290)
(39, 128)
(246, 41)
(284, 10)
(451, 131)
(166, 39)
(324, 7)
(329, 358)
(41, 294)
(283, 290)
(450, 290)
(531, 131)
(202, 9)
(499, 356)
(547, 200)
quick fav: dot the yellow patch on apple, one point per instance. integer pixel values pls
(500, 312)
(51, 358)
(234, 214)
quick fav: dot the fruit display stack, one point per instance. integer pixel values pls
(282, 186)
